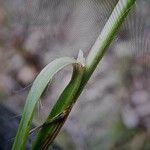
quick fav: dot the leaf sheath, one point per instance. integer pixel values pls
(65, 103)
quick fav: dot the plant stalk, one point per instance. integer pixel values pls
(95, 55)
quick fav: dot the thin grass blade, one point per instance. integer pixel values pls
(34, 95)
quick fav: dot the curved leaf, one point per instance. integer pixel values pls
(34, 95)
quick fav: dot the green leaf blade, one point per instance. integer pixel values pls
(34, 95)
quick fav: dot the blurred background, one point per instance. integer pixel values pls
(113, 112)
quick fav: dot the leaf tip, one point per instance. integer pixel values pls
(81, 58)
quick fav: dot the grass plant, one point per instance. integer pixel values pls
(82, 71)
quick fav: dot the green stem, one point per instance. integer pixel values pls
(95, 55)
(105, 38)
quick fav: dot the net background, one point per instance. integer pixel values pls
(35, 32)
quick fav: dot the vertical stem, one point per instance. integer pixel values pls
(95, 55)
(105, 38)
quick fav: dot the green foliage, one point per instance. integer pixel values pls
(34, 95)
(81, 75)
